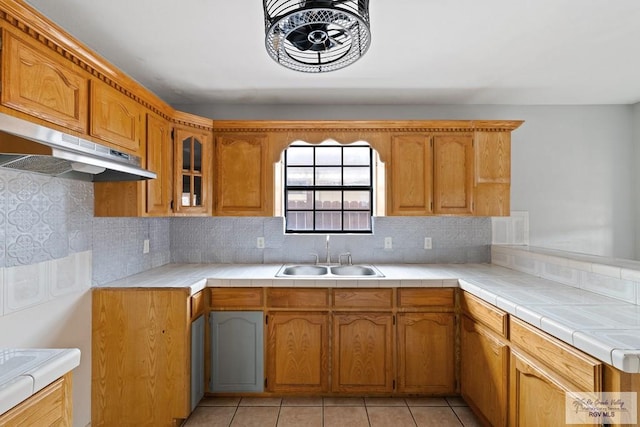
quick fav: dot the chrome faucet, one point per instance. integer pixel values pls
(328, 251)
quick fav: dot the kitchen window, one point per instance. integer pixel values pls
(328, 187)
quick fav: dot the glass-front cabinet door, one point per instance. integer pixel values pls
(193, 171)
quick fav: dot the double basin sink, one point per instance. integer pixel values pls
(312, 270)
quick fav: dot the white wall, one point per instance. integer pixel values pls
(572, 165)
(64, 322)
(636, 188)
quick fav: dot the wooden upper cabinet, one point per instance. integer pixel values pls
(453, 174)
(192, 166)
(411, 183)
(159, 160)
(492, 173)
(244, 175)
(116, 118)
(43, 85)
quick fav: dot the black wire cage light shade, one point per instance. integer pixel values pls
(316, 36)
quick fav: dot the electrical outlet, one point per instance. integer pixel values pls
(260, 243)
(427, 243)
(145, 246)
(388, 243)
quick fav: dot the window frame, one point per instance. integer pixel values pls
(338, 188)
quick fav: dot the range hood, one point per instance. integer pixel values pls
(30, 147)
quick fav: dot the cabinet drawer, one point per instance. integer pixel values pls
(197, 304)
(363, 298)
(483, 312)
(233, 298)
(568, 362)
(297, 298)
(421, 297)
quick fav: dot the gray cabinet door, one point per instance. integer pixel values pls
(237, 363)
(197, 361)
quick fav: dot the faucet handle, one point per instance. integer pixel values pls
(348, 255)
(317, 257)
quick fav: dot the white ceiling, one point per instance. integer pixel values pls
(422, 51)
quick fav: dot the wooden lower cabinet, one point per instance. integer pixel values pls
(141, 353)
(484, 372)
(362, 359)
(426, 353)
(537, 394)
(51, 406)
(237, 351)
(297, 352)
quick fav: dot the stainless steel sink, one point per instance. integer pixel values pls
(355, 270)
(303, 270)
(326, 271)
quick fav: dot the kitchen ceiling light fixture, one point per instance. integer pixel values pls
(316, 36)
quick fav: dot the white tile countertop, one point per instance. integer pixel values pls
(24, 372)
(603, 327)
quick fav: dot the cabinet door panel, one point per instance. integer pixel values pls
(192, 157)
(426, 353)
(453, 174)
(116, 118)
(243, 178)
(484, 370)
(237, 351)
(140, 347)
(197, 361)
(537, 397)
(160, 161)
(362, 352)
(297, 352)
(41, 85)
(411, 175)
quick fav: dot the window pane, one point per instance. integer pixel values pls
(300, 156)
(186, 154)
(299, 200)
(357, 176)
(299, 176)
(357, 221)
(197, 191)
(331, 156)
(328, 220)
(185, 200)
(329, 200)
(328, 176)
(299, 221)
(197, 155)
(357, 156)
(357, 200)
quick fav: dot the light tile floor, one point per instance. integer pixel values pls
(331, 412)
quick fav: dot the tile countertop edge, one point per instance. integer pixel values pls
(626, 360)
(26, 382)
(468, 277)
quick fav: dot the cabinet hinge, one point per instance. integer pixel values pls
(265, 383)
(266, 319)
(173, 132)
(431, 206)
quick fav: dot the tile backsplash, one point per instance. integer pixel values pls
(44, 218)
(233, 240)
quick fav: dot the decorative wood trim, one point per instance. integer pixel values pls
(353, 126)
(24, 18)
(191, 120)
